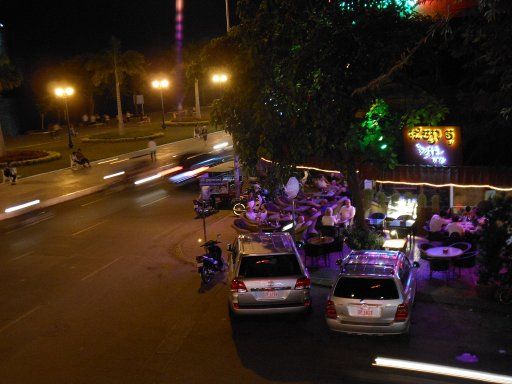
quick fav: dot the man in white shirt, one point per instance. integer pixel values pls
(455, 226)
(347, 213)
(436, 223)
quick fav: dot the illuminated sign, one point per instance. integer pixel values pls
(435, 146)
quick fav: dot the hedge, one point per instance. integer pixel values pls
(104, 138)
(17, 158)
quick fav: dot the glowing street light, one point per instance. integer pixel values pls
(161, 85)
(63, 93)
(220, 78)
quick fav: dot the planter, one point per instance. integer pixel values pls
(93, 139)
(422, 215)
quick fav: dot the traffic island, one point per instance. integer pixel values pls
(112, 137)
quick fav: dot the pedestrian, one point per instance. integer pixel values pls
(11, 173)
(82, 160)
(85, 119)
(205, 134)
(93, 119)
(152, 149)
(107, 119)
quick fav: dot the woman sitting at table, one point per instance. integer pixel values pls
(455, 226)
(328, 219)
(302, 228)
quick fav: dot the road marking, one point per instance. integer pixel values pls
(101, 269)
(92, 202)
(25, 254)
(86, 229)
(155, 201)
(19, 318)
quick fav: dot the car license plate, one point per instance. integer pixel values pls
(364, 311)
(270, 294)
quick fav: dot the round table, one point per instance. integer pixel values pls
(443, 252)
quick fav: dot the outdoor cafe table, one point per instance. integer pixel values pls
(375, 222)
(443, 252)
(323, 243)
(394, 244)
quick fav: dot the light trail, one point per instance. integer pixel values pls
(21, 206)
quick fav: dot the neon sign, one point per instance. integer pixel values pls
(433, 134)
(431, 153)
(432, 145)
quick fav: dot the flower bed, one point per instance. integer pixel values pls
(27, 157)
(116, 138)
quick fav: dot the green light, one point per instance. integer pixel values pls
(381, 138)
(383, 146)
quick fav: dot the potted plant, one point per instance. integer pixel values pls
(434, 203)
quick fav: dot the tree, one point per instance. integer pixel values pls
(305, 72)
(115, 65)
(10, 78)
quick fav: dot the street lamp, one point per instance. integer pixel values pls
(161, 85)
(64, 93)
(219, 78)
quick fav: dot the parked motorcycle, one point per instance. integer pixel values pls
(204, 208)
(211, 262)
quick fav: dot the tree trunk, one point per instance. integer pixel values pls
(2, 142)
(355, 190)
(120, 121)
(91, 104)
(42, 121)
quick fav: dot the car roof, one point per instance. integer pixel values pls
(372, 263)
(266, 243)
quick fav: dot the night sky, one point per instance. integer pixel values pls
(45, 30)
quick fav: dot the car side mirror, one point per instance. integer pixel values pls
(229, 248)
(415, 264)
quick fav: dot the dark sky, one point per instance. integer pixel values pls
(40, 30)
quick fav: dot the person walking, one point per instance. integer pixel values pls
(152, 149)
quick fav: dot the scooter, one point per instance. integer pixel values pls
(211, 262)
(204, 208)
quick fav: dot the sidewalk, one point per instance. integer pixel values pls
(460, 292)
(65, 184)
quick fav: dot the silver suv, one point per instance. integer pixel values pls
(373, 294)
(267, 276)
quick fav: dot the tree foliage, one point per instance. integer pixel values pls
(300, 71)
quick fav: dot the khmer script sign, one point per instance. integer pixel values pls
(437, 146)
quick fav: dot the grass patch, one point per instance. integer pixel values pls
(114, 136)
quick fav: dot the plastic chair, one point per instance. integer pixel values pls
(423, 248)
(439, 265)
(466, 261)
(464, 246)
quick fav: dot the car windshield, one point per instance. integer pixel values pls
(364, 288)
(269, 266)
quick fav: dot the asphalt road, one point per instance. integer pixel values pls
(91, 292)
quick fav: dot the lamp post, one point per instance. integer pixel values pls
(64, 93)
(161, 85)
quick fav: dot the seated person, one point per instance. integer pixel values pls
(262, 214)
(11, 173)
(82, 160)
(321, 182)
(436, 223)
(347, 213)
(328, 219)
(455, 226)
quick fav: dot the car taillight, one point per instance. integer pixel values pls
(330, 310)
(303, 283)
(238, 286)
(402, 312)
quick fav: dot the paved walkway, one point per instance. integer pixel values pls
(66, 184)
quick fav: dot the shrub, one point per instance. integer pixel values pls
(422, 200)
(358, 238)
(395, 197)
(434, 201)
(381, 199)
(495, 241)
